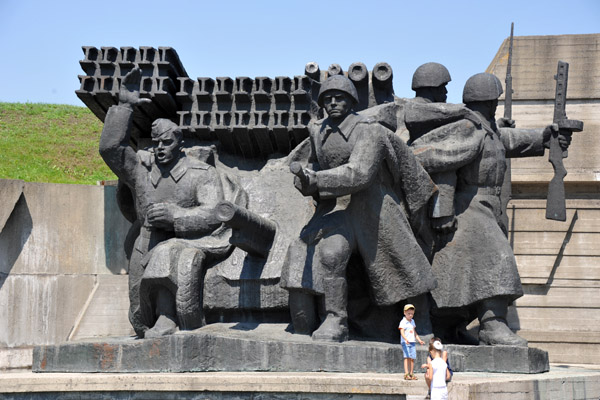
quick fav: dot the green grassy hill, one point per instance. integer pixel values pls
(50, 143)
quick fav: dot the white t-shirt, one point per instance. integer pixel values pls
(409, 330)
(439, 373)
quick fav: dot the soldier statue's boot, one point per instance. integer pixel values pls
(462, 335)
(166, 324)
(335, 326)
(493, 328)
(303, 311)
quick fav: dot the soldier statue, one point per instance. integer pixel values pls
(174, 196)
(475, 267)
(367, 184)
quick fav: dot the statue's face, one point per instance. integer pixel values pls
(440, 94)
(166, 147)
(337, 103)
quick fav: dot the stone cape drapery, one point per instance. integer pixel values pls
(369, 197)
(476, 262)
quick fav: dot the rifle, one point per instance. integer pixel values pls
(509, 91)
(555, 202)
(506, 193)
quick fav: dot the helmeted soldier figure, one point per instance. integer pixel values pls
(476, 267)
(359, 173)
(429, 82)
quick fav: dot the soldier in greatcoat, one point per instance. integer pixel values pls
(476, 267)
(367, 185)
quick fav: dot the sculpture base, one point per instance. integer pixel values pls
(266, 347)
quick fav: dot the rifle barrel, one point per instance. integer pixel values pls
(509, 91)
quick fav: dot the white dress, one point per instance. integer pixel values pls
(438, 382)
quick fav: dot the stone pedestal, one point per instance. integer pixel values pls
(266, 347)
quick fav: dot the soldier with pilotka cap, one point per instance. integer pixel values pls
(367, 184)
(174, 196)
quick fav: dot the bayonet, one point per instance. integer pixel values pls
(506, 192)
(555, 202)
(508, 81)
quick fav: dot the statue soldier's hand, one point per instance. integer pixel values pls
(161, 215)
(505, 123)
(564, 137)
(130, 89)
(307, 186)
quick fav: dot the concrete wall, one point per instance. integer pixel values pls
(559, 262)
(59, 243)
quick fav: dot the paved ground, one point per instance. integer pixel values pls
(563, 382)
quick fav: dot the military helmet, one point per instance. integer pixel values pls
(431, 74)
(163, 125)
(482, 87)
(338, 82)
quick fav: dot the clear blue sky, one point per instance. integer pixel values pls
(40, 41)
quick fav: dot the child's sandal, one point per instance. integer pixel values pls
(414, 378)
(407, 377)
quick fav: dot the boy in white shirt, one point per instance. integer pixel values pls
(409, 336)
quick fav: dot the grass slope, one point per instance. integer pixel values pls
(50, 143)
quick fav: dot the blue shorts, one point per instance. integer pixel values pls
(409, 350)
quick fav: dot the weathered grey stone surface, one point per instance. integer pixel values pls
(511, 359)
(266, 347)
(56, 241)
(130, 395)
(64, 229)
(368, 187)
(562, 382)
(244, 284)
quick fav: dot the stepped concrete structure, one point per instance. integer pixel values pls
(559, 262)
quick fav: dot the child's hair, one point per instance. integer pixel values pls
(435, 344)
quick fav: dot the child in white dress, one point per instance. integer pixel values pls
(437, 372)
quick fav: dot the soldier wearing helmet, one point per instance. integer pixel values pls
(429, 82)
(360, 191)
(174, 227)
(476, 267)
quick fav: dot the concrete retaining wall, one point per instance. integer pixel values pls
(559, 262)
(57, 243)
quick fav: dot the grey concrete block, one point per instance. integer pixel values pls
(43, 309)
(64, 229)
(130, 395)
(266, 347)
(524, 360)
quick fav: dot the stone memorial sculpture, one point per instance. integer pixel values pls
(387, 176)
(174, 195)
(367, 186)
(475, 267)
(426, 111)
(315, 205)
